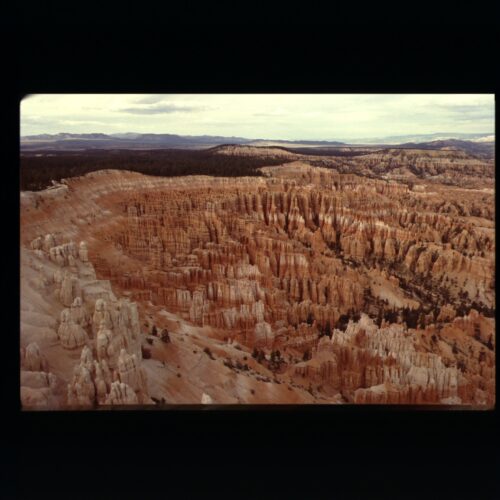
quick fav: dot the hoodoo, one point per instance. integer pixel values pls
(304, 285)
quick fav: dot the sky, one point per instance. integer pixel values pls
(260, 116)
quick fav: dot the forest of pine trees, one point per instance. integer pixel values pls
(38, 169)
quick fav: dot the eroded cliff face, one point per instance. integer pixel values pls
(394, 364)
(437, 166)
(306, 285)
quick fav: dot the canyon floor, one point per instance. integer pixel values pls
(309, 284)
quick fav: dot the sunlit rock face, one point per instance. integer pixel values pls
(372, 291)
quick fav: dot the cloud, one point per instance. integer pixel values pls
(82, 122)
(161, 109)
(35, 120)
(151, 99)
(467, 109)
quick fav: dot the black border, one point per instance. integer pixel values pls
(302, 451)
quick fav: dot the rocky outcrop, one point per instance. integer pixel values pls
(101, 317)
(108, 345)
(131, 373)
(121, 394)
(32, 359)
(37, 388)
(368, 364)
(81, 390)
(70, 289)
(79, 314)
(206, 399)
(93, 380)
(83, 252)
(71, 334)
(37, 380)
(34, 398)
(69, 277)
(263, 335)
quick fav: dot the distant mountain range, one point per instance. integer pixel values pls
(418, 138)
(124, 141)
(478, 144)
(132, 140)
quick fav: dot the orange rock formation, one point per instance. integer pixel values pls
(371, 291)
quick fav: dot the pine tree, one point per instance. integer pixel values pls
(489, 344)
(380, 316)
(328, 329)
(164, 336)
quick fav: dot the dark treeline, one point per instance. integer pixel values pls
(38, 169)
